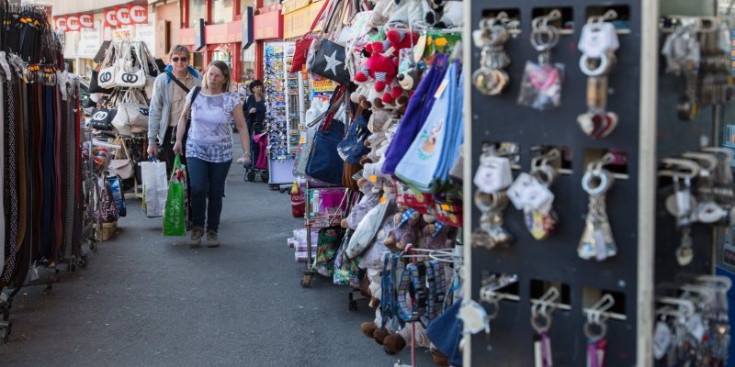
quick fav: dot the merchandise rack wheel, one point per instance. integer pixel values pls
(47, 290)
(82, 261)
(93, 246)
(264, 176)
(306, 280)
(352, 305)
(250, 176)
(5, 328)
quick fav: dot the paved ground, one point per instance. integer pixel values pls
(145, 301)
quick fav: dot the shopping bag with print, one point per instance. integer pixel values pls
(155, 187)
(328, 243)
(174, 217)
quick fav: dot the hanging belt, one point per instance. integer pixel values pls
(12, 181)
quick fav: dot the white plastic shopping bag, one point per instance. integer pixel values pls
(155, 188)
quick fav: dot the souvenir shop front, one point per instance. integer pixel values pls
(599, 221)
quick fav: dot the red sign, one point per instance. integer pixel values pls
(111, 18)
(268, 25)
(60, 23)
(138, 13)
(72, 23)
(86, 20)
(123, 15)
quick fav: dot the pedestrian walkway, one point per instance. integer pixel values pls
(149, 300)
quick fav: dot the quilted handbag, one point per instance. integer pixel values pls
(130, 68)
(324, 162)
(102, 119)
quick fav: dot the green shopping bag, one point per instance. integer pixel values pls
(174, 216)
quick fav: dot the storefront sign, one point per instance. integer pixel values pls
(72, 23)
(60, 23)
(86, 21)
(268, 25)
(122, 14)
(138, 13)
(247, 28)
(293, 5)
(111, 18)
(296, 24)
(199, 40)
(90, 40)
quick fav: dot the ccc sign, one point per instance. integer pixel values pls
(100, 116)
(129, 78)
(105, 77)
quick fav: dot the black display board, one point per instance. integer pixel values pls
(500, 119)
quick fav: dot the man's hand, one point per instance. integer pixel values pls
(153, 150)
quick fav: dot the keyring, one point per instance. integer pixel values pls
(545, 325)
(589, 330)
(601, 69)
(605, 181)
(544, 173)
(537, 38)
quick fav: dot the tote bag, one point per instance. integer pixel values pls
(421, 161)
(417, 110)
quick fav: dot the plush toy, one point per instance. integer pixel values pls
(435, 234)
(382, 65)
(412, 12)
(406, 232)
(410, 78)
(395, 342)
(372, 194)
(452, 15)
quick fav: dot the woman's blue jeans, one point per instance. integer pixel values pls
(207, 182)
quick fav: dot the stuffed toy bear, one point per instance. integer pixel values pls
(452, 15)
(395, 342)
(372, 194)
(406, 232)
(435, 234)
(412, 12)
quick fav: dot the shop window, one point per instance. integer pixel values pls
(197, 10)
(247, 65)
(222, 11)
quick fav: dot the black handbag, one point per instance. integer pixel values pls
(102, 119)
(352, 148)
(94, 84)
(329, 61)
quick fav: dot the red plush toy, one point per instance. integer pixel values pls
(382, 65)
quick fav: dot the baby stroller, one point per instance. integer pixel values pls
(259, 158)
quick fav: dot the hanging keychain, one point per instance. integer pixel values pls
(597, 240)
(490, 79)
(542, 82)
(541, 322)
(595, 330)
(598, 43)
(530, 192)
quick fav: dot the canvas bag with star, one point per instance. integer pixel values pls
(327, 55)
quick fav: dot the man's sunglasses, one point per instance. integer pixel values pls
(176, 59)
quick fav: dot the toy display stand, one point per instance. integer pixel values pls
(645, 99)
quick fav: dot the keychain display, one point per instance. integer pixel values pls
(542, 82)
(598, 43)
(530, 193)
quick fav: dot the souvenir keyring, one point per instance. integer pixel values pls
(540, 28)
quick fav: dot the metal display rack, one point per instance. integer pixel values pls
(645, 100)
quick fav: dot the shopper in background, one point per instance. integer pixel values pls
(167, 102)
(209, 148)
(255, 109)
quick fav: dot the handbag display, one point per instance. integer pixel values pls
(108, 68)
(94, 84)
(132, 114)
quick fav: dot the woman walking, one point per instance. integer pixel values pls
(209, 148)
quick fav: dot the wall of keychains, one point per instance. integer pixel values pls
(600, 195)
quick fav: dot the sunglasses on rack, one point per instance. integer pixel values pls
(177, 59)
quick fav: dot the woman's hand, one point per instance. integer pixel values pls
(253, 110)
(177, 148)
(245, 159)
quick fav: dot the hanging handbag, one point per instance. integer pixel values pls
(132, 114)
(123, 167)
(118, 196)
(325, 163)
(94, 86)
(328, 242)
(352, 147)
(130, 72)
(329, 62)
(102, 118)
(108, 68)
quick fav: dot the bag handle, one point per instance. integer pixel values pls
(318, 17)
